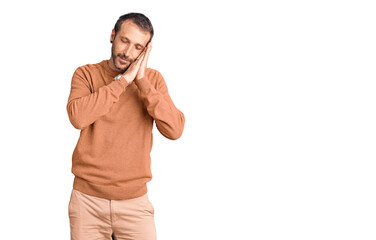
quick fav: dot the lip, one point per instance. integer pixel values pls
(122, 60)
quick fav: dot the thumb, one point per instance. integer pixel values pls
(139, 60)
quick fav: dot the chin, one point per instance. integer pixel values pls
(121, 67)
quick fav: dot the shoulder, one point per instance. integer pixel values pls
(153, 73)
(155, 78)
(88, 68)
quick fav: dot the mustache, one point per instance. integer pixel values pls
(125, 57)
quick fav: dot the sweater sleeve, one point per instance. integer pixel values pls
(168, 119)
(84, 105)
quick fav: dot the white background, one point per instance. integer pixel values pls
(279, 99)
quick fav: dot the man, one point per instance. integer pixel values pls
(114, 103)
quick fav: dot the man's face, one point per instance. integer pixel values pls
(127, 45)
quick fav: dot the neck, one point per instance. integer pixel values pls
(110, 63)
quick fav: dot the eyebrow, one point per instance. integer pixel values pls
(138, 44)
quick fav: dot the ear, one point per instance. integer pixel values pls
(112, 38)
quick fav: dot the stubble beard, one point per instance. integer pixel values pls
(114, 57)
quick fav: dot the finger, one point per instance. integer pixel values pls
(136, 63)
(139, 60)
(150, 45)
(146, 56)
(141, 55)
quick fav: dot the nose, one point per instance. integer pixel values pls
(127, 51)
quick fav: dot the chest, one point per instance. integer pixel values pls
(128, 110)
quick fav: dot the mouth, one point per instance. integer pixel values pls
(123, 60)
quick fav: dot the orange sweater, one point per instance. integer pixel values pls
(112, 157)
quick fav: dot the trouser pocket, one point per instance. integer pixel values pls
(73, 207)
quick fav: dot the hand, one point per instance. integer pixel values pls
(142, 70)
(134, 68)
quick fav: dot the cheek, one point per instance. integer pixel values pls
(136, 53)
(133, 55)
(116, 48)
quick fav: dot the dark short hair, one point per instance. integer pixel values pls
(139, 19)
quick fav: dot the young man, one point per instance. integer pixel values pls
(114, 104)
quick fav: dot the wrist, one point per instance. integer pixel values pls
(138, 78)
(120, 78)
(128, 78)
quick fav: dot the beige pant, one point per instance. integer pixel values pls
(94, 218)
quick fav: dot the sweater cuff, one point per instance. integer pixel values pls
(123, 82)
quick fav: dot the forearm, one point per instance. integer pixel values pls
(169, 120)
(84, 110)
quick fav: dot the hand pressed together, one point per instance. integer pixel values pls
(138, 68)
